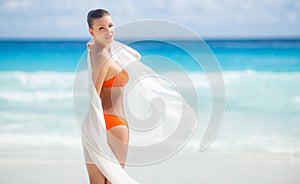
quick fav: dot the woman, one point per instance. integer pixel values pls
(109, 79)
(151, 101)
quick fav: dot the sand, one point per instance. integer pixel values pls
(198, 167)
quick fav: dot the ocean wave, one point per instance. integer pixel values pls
(38, 86)
(268, 143)
(35, 96)
(36, 80)
(65, 80)
(240, 86)
(265, 102)
(15, 140)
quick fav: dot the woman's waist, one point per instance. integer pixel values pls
(115, 112)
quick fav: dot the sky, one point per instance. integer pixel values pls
(66, 19)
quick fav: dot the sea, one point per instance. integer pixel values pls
(262, 94)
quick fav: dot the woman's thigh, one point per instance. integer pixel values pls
(95, 175)
(118, 138)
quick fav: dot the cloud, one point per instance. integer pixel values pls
(17, 4)
(67, 18)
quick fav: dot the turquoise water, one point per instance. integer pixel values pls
(259, 55)
(262, 80)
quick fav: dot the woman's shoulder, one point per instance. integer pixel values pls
(101, 61)
(102, 57)
(96, 54)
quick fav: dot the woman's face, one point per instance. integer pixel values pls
(103, 30)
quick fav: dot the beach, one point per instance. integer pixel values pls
(193, 168)
(258, 140)
(216, 167)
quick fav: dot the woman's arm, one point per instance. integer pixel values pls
(100, 69)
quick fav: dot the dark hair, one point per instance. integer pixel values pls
(95, 14)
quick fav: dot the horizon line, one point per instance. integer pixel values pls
(216, 38)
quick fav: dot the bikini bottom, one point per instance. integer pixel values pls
(113, 120)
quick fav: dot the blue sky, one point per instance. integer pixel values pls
(209, 19)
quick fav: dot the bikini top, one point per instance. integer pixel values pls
(118, 80)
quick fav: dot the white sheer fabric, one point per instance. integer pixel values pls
(150, 103)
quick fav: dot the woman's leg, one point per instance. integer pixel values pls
(118, 138)
(95, 175)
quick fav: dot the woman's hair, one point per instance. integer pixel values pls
(95, 14)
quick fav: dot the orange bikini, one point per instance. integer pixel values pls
(119, 80)
(113, 120)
